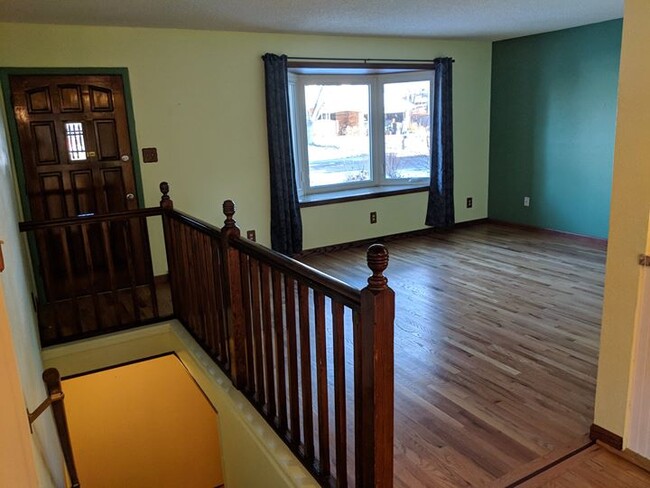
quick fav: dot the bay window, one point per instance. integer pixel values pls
(361, 131)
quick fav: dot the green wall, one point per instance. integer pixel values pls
(198, 96)
(553, 119)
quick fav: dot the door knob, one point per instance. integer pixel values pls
(125, 157)
(130, 196)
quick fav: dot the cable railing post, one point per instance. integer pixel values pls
(374, 377)
(52, 380)
(234, 298)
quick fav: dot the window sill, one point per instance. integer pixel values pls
(342, 196)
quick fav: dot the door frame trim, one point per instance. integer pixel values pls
(5, 73)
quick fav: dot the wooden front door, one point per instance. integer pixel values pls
(77, 161)
(75, 146)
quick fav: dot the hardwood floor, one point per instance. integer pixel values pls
(496, 347)
(593, 468)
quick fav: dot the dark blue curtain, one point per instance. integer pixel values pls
(286, 224)
(440, 208)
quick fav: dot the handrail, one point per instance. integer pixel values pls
(282, 331)
(329, 285)
(269, 322)
(196, 223)
(55, 396)
(90, 219)
(318, 280)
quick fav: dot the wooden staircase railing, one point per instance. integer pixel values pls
(95, 274)
(52, 380)
(311, 353)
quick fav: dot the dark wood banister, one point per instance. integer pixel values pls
(196, 223)
(373, 311)
(374, 308)
(89, 219)
(318, 280)
(346, 294)
(55, 396)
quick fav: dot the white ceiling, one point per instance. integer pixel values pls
(480, 19)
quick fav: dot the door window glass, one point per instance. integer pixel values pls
(75, 140)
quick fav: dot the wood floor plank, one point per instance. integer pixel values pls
(496, 349)
(593, 468)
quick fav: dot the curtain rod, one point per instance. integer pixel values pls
(368, 61)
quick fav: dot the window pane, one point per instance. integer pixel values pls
(338, 145)
(407, 129)
(74, 137)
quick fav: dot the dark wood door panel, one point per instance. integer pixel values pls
(107, 141)
(46, 147)
(70, 98)
(69, 125)
(83, 192)
(101, 99)
(52, 195)
(38, 100)
(114, 190)
(76, 155)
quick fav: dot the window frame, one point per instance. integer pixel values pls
(376, 130)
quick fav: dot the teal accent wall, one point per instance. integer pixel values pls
(553, 123)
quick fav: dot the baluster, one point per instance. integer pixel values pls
(41, 237)
(321, 385)
(198, 281)
(374, 376)
(339, 395)
(106, 240)
(278, 322)
(305, 372)
(257, 333)
(148, 265)
(63, 233)
(90, 265)
(292, 353)
(211, 293)
(128, 239)
(268, 341)
(248, 321)
(236, 325)
(217, 278)
(184, 264)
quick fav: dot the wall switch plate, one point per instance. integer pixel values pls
(149, 155)
(250, 235)
(373, 217)
(470, 202)
(526, 201)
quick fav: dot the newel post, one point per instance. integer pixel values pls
(167, 205)
(374, 377)
(233, 298)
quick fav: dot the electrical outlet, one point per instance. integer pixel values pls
(470, 202)
(373, 217)
(526, 201)
(250, 235)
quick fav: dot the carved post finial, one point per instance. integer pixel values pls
(165, 201)
(229, 211)
(52, 377)
(377, 262)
